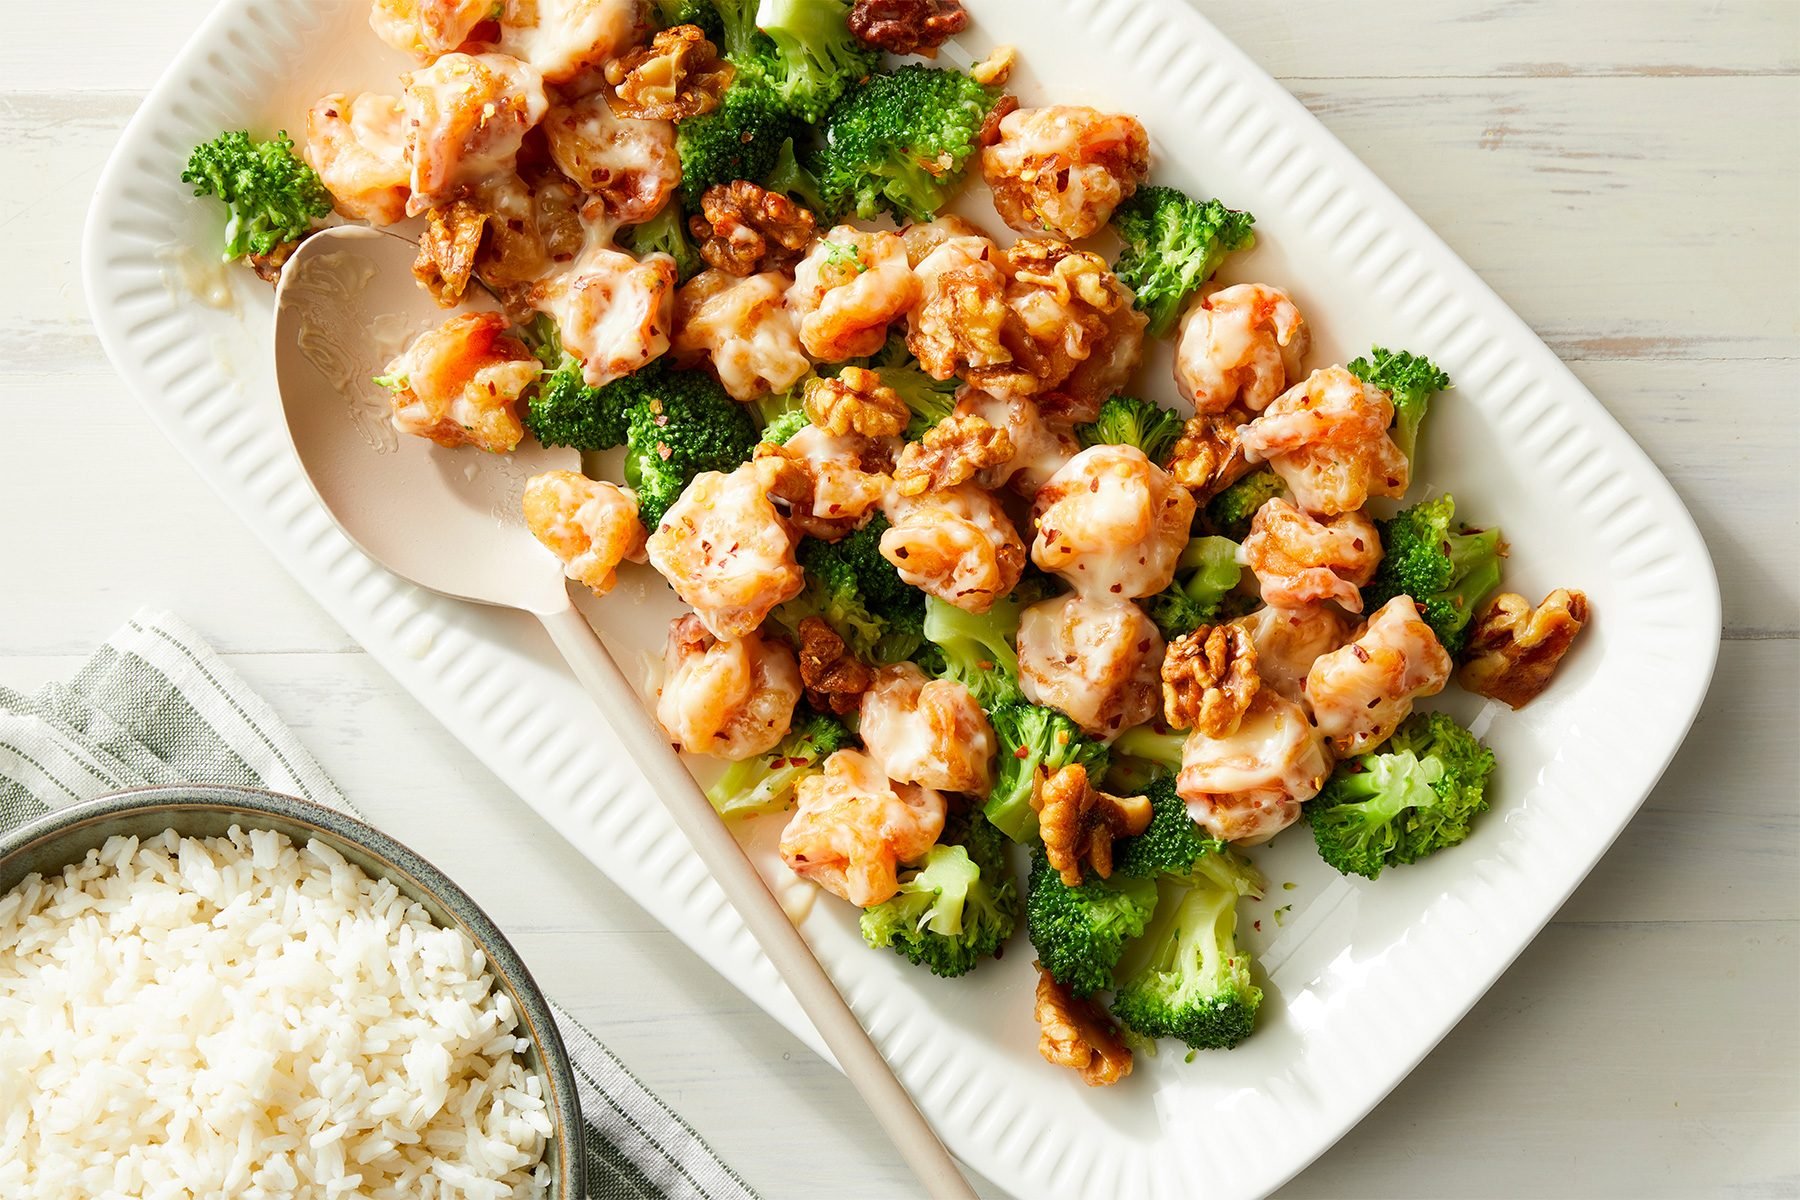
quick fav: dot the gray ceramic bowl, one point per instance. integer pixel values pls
(65, 836)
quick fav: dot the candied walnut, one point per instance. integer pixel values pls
(1207, 458)
(268, 266)
(1239, 347)
(1078, 822)
(1062, 170)
(927, 731)
(744, 229)
(630, 165)
(677, 76)
(1093, 658)
(447, 250)
(848, 288)
(1359, 694)
(730, 698)
(908, 26)
(1248, 786)
(1077, 1033)
(1112, 522)
(834, 678)
(855, 401)
(1298, 558)
(590, 525)
(1328, 440)
(994, 71)
(961, 316)
(953, 451)
(1209, 679)
(460, 384)
(830, 484)
(743, 328)
(533, 227)
(726, 551)
(957, 543)
(853, 826)
(1040, 449)
(1513, 649)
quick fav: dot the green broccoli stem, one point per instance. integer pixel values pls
(1159, 747)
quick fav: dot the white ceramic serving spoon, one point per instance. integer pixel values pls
(450, 521)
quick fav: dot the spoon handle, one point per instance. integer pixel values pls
(731, 868)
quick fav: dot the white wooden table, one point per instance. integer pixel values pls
(1625, 172)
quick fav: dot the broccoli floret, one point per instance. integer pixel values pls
(794, 181)
(665, 233)
(814, 57)
(1417, 793)
(899, 143)
(682, 424)
(1194, 983)
(978, 648)
(1124, 421)
(860, 595)
(1445, 572)
(1412, 380)
(1204, 574)
(765, 784)
(1034, 743)
(1159, 749)
(691, 12)
(1172, 844)
(1230, 512)
(1080, 932)
(929, 400)
(956, 909)
(563, 410)
(741, 139)
(785, 425)
(1173, 244)
(272, 195)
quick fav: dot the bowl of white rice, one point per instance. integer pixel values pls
(220, 992)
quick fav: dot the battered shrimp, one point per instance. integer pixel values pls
(730, 699)
(1359, 694)
(1249, 786)
(1298, 558)
(1289, 640)
(1095, 658)
(961, 316)
(563, 38)
(614, 311)
(743, 327)
(931, 733)
(630, 165)
(1327, 439)
(726, 551)
(465, 117)
(459, 384)
(358, 147)
(592, 526)
(1063, 169)
(831, 483)
(847, 289)
(1112, 522)
(1240, 347)
(1040, 449)
(853, 827)
(957, 544)
(427, 28)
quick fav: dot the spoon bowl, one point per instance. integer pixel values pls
(447, 520)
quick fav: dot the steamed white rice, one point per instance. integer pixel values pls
(240, 1017)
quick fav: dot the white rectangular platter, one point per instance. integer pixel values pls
(1362, 978)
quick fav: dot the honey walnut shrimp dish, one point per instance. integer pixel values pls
(951, 584)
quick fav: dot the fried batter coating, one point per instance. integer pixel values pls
(466, 115)
(960, 320)
(848, 289)
(726, 551)
(1514, 649)
(1361, 693)
(1248, 786)
(957, 544)
(677, 76)
(565, 38)
(459, 384)
(1298, 558)
(831, 485)
(927, 731)
(1289, 640)
(447, 250)
(1239, 347)
(743, 328)
(358, 147)
(1112, 522)
(629, 164)
(1039, 448)
(427, 28)
(853, 827)
(1062, 170)
(729, 699)
(592, 526)
(614, 311)
(1327, 438)
(1093, 658)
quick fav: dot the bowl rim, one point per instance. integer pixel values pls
(397, 858)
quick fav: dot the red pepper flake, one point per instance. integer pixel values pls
(1257, 926)
(1022, 753)
(1361, 654)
